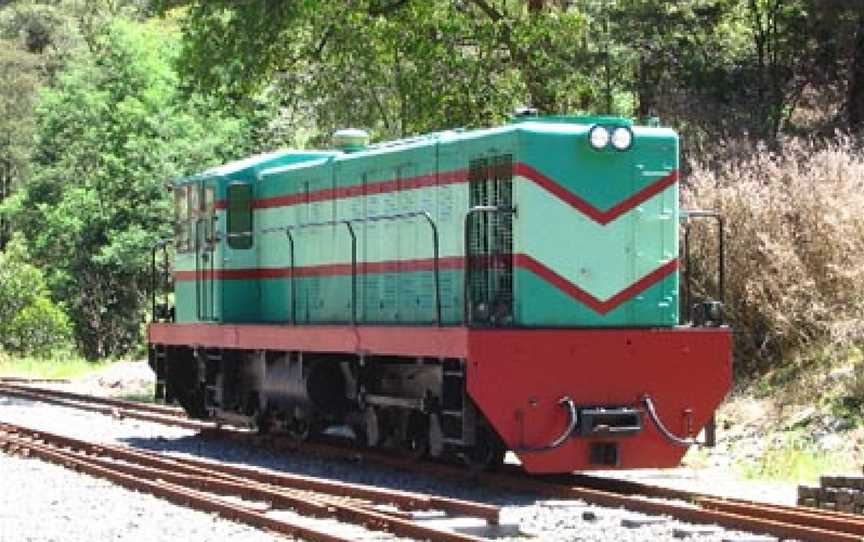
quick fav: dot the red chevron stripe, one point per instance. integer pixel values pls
(597, 215)
(523, 261)
(461, 176)
(602, 307)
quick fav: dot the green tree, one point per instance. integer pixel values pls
(111, 131)
(714, 68)
(29, 321)
(19, 72)
(399, 67)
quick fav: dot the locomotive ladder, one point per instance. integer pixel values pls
(159, 358)
(453, 407)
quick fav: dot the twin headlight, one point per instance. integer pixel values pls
(620, 137)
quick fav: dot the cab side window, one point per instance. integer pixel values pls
(240, 216)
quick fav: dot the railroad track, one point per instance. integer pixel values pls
(117, 408)
(787, 522)
(28, 380)
(215, 487)
(784, 522)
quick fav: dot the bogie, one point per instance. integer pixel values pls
(416, 405)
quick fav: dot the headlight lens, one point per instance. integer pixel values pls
(622, 138)
(598, 137)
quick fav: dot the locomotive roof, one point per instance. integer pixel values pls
(286, 160)
(259, 162)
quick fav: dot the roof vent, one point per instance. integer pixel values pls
(350, 139)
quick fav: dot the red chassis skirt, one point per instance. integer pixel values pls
(517, 377)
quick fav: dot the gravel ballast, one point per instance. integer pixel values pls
(78, 507)
(44, 502)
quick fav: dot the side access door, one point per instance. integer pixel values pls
(204, 241)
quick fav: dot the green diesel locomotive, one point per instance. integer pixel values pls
(461, 292)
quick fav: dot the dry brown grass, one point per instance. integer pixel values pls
(795, 256)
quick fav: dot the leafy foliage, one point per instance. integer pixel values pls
(111, 131)
(19, 72)
(716, 68)
(29, 321)
(397, 67)
(136, 92)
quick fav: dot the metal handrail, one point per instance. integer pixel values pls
(471, 212)
(161, 244)
(349, 225)
(435, 249)
(201, 273)
(198, 269)
(721, 248)
(287, 229)
(291, 263)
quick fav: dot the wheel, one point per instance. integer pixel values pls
(371, 427)
(486, 454)
(298, 430)
(265, 423)
(416, 442)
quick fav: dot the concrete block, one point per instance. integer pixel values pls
(636, 522)
(563, 504)
(694, 530)
(473, 527)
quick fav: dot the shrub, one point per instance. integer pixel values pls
(29, 321)
(795, 250)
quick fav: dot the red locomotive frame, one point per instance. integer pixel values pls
(518, 377)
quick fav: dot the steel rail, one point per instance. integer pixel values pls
(779, 520)
(28, 380)
(167, 490)
(806, 515)
(404, 499)
(740, 521)
(212, 478)
(810, 517)
(407, 500)
(784, 522)
(112, 401)
(107, 410)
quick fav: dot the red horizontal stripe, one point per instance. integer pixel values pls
(523, 261)
(381, 187)
(328, 270)
(461, 176)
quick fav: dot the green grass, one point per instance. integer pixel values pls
(796, 460)
(62, 366)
